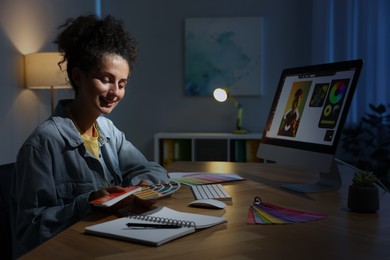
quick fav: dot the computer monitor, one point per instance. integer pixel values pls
(306, 120)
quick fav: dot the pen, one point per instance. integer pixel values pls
(142, 225)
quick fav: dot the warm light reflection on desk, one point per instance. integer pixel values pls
(219, 167)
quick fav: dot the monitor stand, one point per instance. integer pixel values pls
(328, 181)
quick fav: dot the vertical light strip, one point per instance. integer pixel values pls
(330, 32)
(353, 41)
(371, 95)
(382, 52)
(98, 8)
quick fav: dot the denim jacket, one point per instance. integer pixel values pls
(54, 175)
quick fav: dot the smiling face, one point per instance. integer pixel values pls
(101, 88)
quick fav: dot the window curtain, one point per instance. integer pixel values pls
(353, 29)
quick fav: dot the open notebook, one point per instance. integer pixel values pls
(189, 223)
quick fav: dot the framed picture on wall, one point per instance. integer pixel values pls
(223, 52)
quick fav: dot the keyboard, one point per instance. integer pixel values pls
(211, 191)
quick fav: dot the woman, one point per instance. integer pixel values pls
(77, 155)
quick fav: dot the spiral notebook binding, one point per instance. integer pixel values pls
(166, 221)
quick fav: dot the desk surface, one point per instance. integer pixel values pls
(343, 235)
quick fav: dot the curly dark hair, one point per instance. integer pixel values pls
(84, 40)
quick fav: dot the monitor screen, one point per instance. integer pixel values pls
(308, 113)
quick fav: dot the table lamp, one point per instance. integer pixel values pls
(221, 95)
(42, 72)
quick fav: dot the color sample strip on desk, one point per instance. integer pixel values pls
(266, 213)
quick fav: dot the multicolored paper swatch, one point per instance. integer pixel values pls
(266, 213)
(158, 191)
(199, 178)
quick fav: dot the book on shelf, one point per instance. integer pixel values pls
(239, 151)
(175, 150)
(251, 150)
(148, 228)
(182, 150)
(167, 154)
(113, 198)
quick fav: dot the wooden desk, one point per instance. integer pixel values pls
(343, 235)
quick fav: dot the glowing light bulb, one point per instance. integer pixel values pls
(220, 94)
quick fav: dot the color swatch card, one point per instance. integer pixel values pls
(199, 178)
(158, 191)
(266, 213)
(112, 198)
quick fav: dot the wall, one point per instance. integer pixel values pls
(155, 100)
(27, 26)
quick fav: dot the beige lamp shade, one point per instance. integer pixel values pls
(42, 71)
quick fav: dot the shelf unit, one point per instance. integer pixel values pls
(170, 147)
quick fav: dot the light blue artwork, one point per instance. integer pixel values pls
(223, 52)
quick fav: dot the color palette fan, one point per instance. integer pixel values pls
(158, 191)
(266, 213)
(199, 178)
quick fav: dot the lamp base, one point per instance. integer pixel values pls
(240, 131)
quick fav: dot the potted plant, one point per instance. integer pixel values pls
(363, 194)
(367, 145)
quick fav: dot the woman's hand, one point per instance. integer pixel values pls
(103, 192)
(128, 201)
(143, 183)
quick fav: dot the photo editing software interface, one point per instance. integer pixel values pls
(308, 106)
